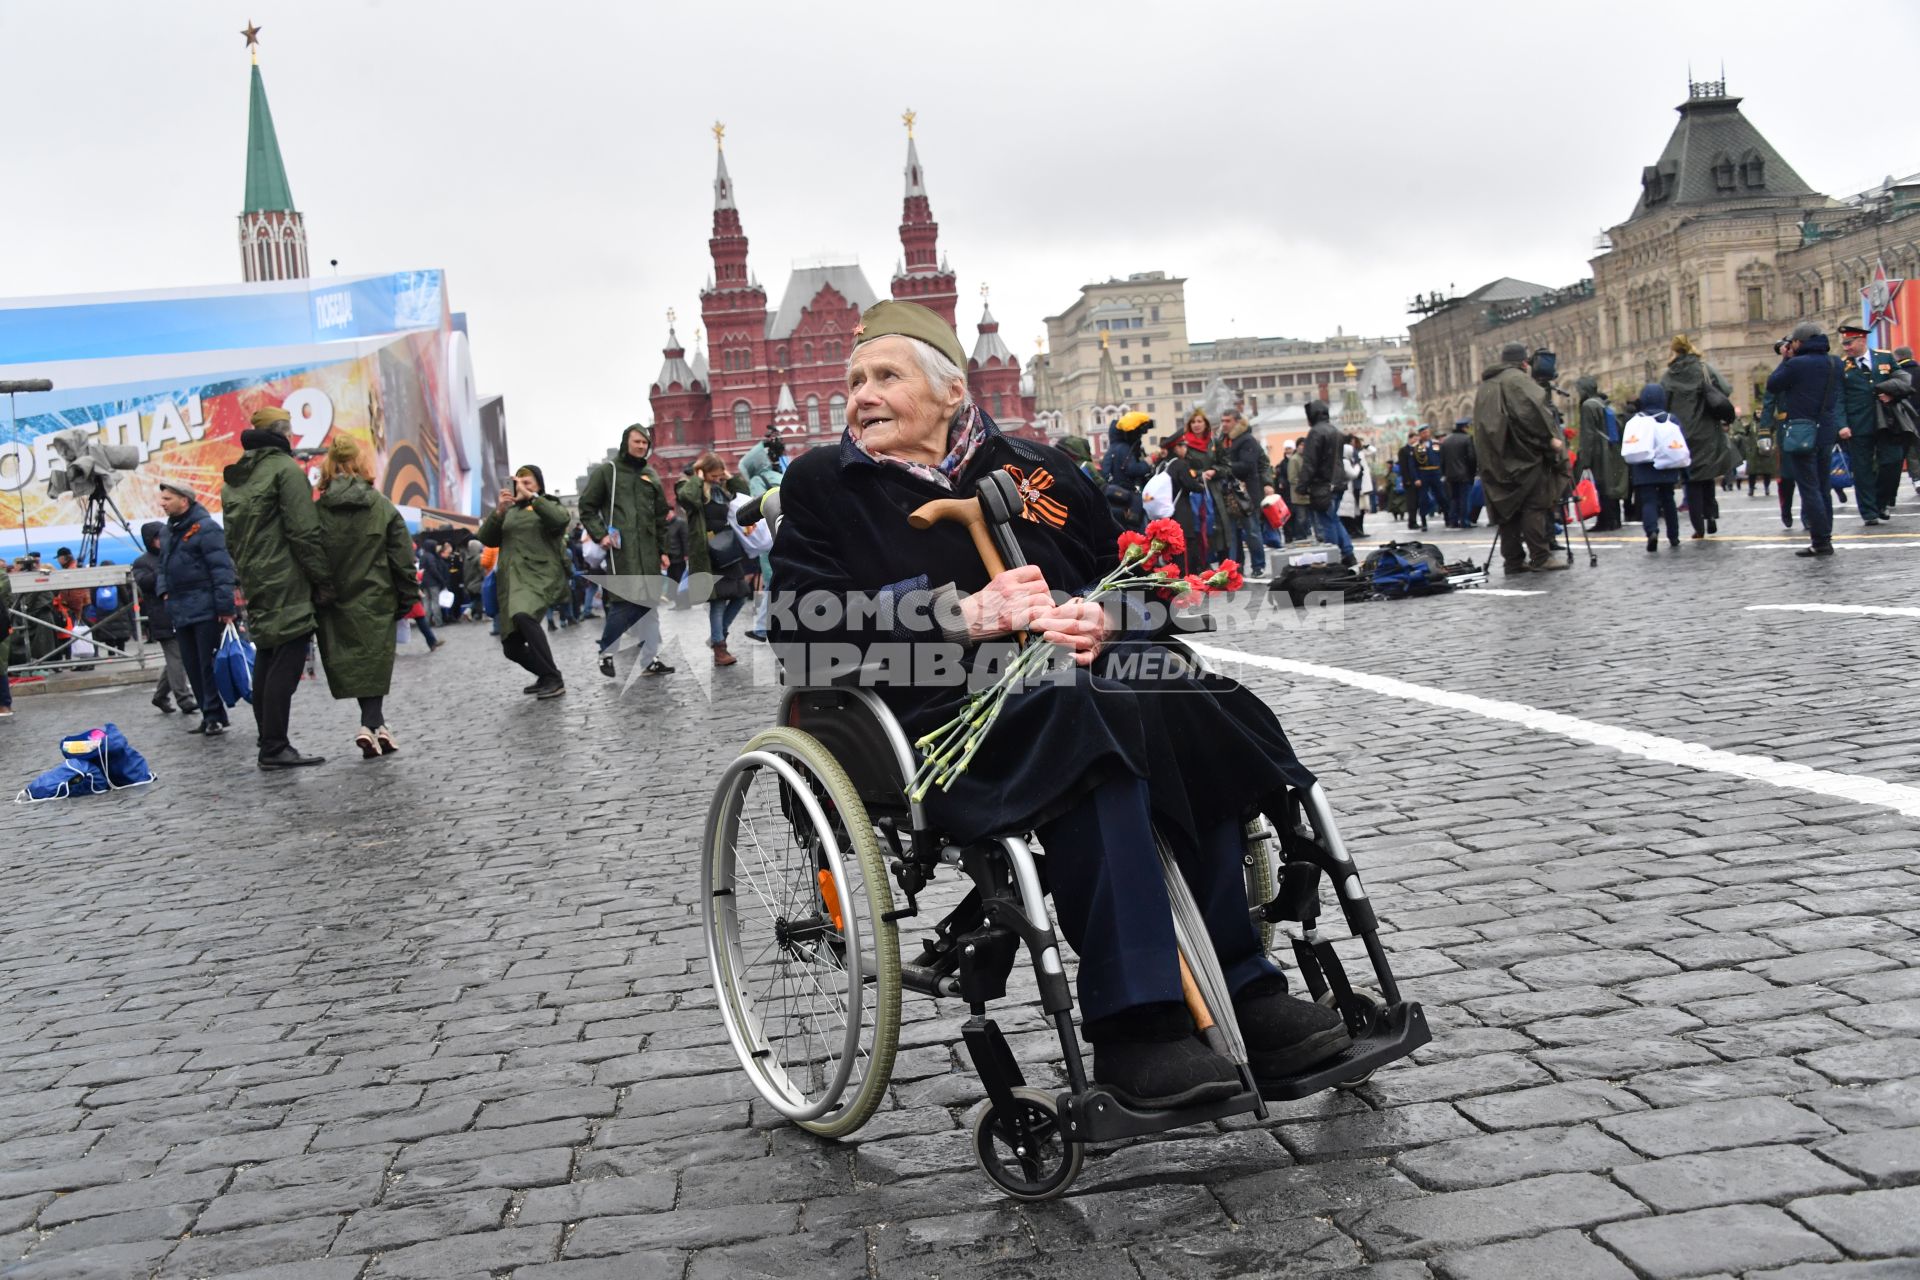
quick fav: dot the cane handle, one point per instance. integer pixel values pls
(967, 512)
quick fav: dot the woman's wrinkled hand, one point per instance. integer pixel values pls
(1077, 625)
(1008, 603)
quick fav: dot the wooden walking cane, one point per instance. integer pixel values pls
(971, 513)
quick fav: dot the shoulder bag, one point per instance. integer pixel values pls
(1799, 433)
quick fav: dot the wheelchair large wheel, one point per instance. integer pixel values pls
(1261, 843)
(1038, 1166)
(805, 964)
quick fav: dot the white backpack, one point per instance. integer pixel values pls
(1636, 439)
(1157, 498)
(1670, 445)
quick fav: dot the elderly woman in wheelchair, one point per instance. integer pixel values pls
(1128, 762)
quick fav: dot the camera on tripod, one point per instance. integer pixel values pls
(90, 465)
(89, 475)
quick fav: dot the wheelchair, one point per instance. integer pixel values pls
(810, 831)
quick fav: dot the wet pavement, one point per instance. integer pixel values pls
(446, 1014)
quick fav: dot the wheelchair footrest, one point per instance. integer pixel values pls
(1402, 1029)
(1098, 1116)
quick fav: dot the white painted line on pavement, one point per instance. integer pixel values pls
(1675, 751)
(1843, 546)
(1497, 591)
(1877, 610)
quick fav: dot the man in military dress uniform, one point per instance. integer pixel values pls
(1903, 358)
(1875, 444)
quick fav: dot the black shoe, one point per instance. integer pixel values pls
(1713, 526)
(551, 689)
(201, 727)
(761, 636)
(606, 665)
(536, 686)
(213, 728)
(1148, 1057)
(1347, 562)
(164, 701)
(1285, 1034)
(656, 668)
(189, 706)
(288, 758)
(1870, 523)
(1807, 553)
(1653, 543)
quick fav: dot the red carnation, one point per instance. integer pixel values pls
(1226, 577)
(1131, 540)
(1166, 533)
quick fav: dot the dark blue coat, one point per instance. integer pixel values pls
(1796, 384)
(196, 573)
(1205, 745)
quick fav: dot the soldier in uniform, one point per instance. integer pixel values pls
(1760, 444)
(1903, 358)
(1875, 445)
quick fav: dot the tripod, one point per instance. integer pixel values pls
(93, 522)
(1569, 516)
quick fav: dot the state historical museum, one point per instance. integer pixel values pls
(785, 368)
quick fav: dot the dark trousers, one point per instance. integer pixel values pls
(1786, 493)
(276, 675)
(526, 644)
(1111, 899)
(1523, 539)
(197, 642)
(621, 615)
(1419, 506)
(1810, 473)
(1656, 504)
(1457, 493)
(1703, 504)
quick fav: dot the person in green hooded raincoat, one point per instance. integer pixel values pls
(1599, 454)
(529, 526)
(6, 641)
(370, 557)
(273, 533)
(624, 508)
(1686, 380)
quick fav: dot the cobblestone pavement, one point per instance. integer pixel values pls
(446, 1014)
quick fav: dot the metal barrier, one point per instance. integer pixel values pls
(43, 642)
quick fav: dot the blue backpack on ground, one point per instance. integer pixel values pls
(92, 762)
(1402, 569)
(233, 668)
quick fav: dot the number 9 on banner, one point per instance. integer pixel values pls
(312, 416)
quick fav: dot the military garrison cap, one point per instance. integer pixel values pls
(910, 320)
(1853, 326)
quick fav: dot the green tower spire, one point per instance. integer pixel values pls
(267, 188)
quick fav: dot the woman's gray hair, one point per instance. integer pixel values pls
(935, 367)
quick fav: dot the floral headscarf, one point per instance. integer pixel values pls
(964, 435)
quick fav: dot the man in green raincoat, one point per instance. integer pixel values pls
(1523, 460)
(273, 533)
(529, 525)
(370, 557)
(624, 508)
(1599, 453)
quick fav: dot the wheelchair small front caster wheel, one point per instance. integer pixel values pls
(1035, 1165)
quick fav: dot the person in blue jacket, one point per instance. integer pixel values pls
(196, 581)
(1806, 387)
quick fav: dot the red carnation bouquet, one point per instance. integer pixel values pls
(1148, 561)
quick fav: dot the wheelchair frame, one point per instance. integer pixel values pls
(972, 950)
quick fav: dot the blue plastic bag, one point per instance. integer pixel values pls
(490, 595)
(1841, 475)
(233, 668)
(92, 762)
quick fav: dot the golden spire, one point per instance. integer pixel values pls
(1103, 339)
(719, 136)
(669, 317)
(907, 118)
(983, 291)
(252, 36)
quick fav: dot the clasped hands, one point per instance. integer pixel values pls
(1019, 600)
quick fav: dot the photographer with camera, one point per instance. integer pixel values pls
(1805, 387)
(1523, 459)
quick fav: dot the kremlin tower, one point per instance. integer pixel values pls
(273, 236)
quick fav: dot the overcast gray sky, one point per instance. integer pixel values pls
(1305, 166)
